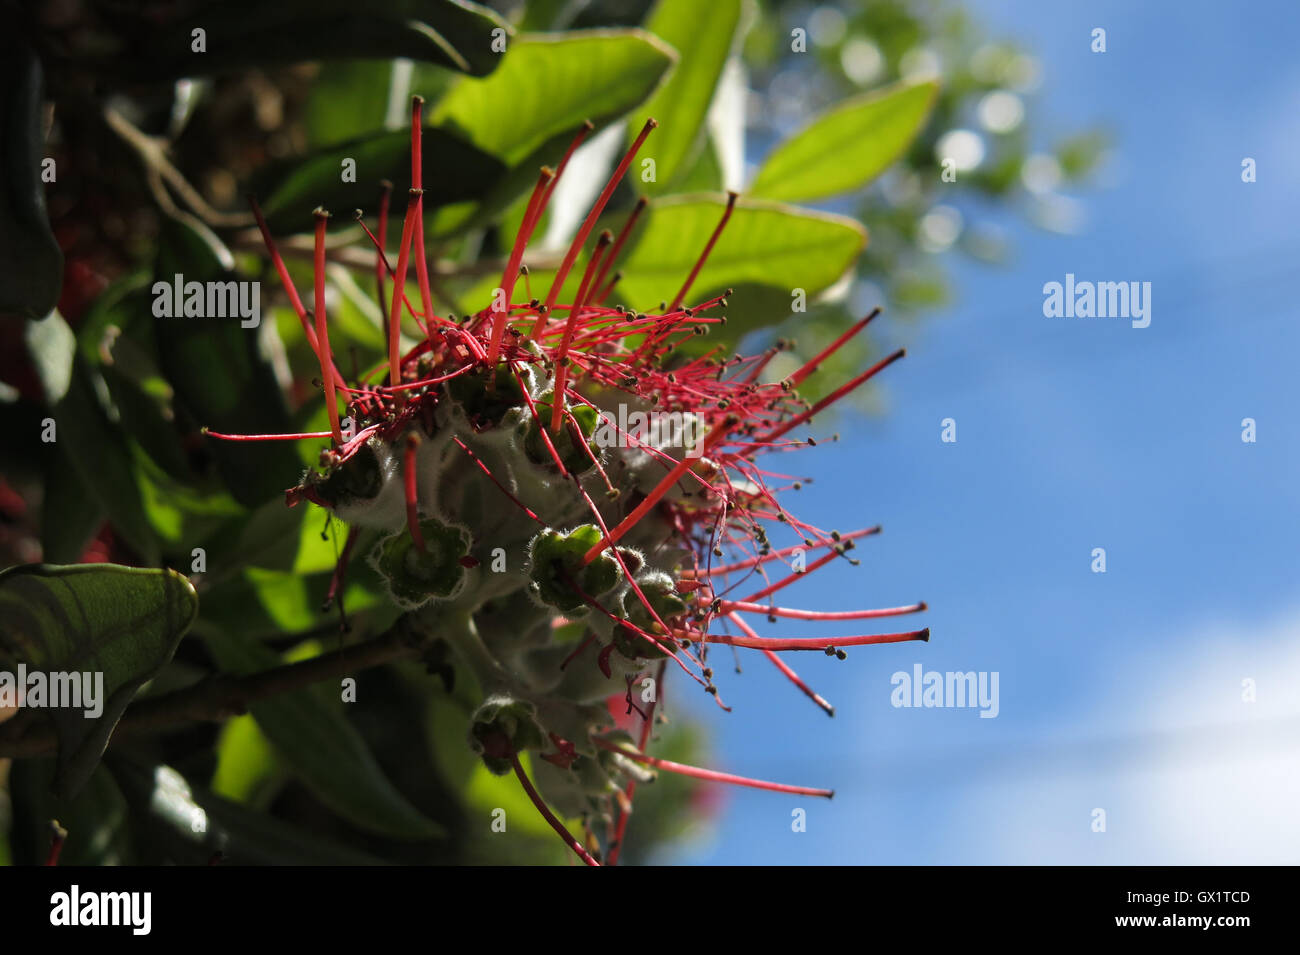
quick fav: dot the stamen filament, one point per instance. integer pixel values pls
(555, 824)
(580, 239)
(322, 329)
(710, 774)
(704, 256)
(804, 643)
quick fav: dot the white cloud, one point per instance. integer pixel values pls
(1187, 772)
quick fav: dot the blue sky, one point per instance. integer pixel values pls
(1120, 691)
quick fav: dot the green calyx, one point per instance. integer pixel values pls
(572, 445)
(662, 596)
(359, 478)
(557, 570)
(416, 575)
(483, 404)
(500, 728)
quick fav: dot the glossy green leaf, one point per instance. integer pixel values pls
(703, 34)
(123, 622)
(764, 243)
(847, 146)
(548, 84)
(321, 746)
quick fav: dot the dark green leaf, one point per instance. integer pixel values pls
(123, 622)
(222, 380)
(322, 747)
(250, 33)
(31, 265)
(454, 171)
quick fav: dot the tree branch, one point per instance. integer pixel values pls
(223, 696)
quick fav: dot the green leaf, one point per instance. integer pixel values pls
(764, 243)
(847, 146)
(70, 511)
(346, 100)
(246, 766)
(528, 112)
(548, 84)
(324, 749)
(704, 35)
(250, 33)
(221, 377)
(123, 622)
(31, 264)
(96, 818)
(100, 454)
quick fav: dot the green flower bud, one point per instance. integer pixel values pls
(414, 576)
(558, 574)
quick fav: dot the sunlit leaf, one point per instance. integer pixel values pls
(847, 146)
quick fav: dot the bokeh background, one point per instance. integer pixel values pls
(1124, 690)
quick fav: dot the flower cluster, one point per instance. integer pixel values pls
(558, 566)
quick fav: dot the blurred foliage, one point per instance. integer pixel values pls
(127, 154)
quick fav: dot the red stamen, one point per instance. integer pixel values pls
(783, 552)
(555, 824)
(494, 480)
(747, 607)
(704, 256)
(322, 329)
(561, 360)
(525, 232)
(417, 182)
(710, 774)
(785, 669)
(340, 568)
(267, 437)
(660, 490)
(647, 722)
(587, 127)
(805, 643)
(623, 233)
(58, 836)
(811, 366)
(399, 286)
(285, 280)
(381, 265)
(581, 646)
(835, 395)
(580, 239)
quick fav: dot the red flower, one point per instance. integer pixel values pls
(539, 377)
